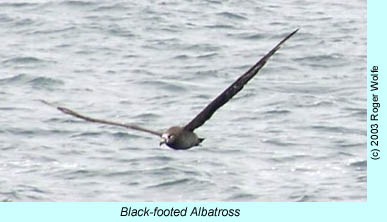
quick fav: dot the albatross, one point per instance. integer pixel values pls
(183, 137)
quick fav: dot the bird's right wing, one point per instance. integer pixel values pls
(108, 122)
(233, 89)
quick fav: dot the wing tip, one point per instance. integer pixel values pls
(291, 34)
(295, 31)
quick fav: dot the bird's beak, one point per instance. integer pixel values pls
(163, 141)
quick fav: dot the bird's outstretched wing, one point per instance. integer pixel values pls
(90, 119)
(232, 90)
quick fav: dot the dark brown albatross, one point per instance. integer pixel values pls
(182, 138)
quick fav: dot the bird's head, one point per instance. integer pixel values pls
(169, 137)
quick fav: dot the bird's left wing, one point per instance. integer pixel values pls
(233, 89)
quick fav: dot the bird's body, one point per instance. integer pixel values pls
(178, 138)
(183, 137)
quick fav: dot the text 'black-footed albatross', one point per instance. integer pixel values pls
(183, 137)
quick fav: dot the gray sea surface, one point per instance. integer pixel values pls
(296, 132)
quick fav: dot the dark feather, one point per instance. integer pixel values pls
(90, 119)
(232, 90)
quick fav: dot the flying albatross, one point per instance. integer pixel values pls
(183, 137)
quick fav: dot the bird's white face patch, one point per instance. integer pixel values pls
(164, 139)
(165, 136)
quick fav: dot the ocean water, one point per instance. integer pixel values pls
(296, 132)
